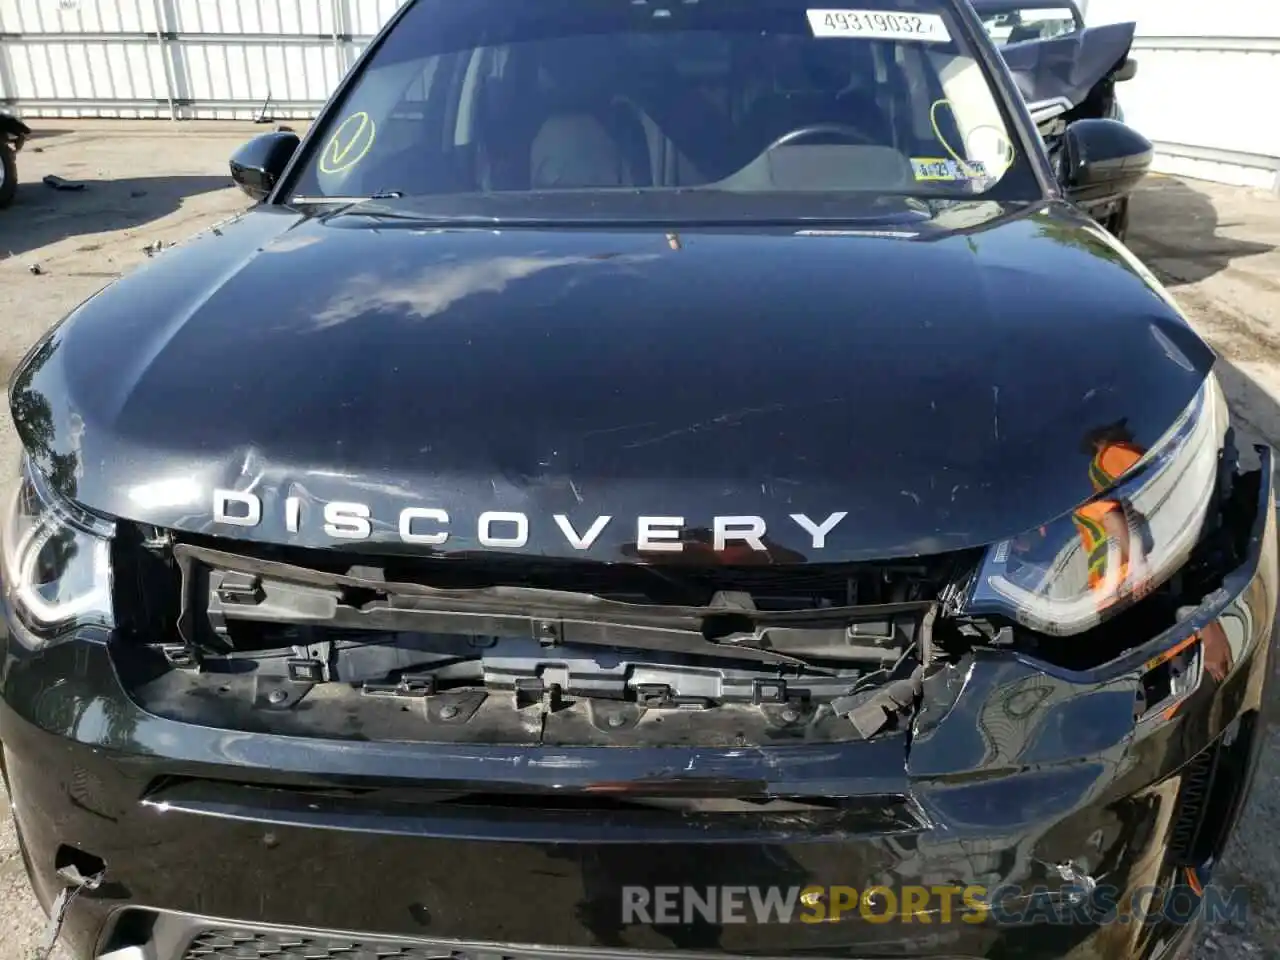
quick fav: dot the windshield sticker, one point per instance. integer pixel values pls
(941, 169)
(349, 144)
(879, 25)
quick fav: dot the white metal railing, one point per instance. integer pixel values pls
(181, 59)
(1202, 94)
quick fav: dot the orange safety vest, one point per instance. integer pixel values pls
(1111, 462)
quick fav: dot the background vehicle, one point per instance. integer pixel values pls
(1017, 21)
(1067, 71)
(13, 134)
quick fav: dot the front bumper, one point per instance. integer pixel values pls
(1044, 795)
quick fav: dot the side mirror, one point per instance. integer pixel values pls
(1103, 160)
(1128, 70)
(256, 166)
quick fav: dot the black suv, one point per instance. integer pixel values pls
(645, 478)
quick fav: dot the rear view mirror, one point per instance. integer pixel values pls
(1103, 160)
(256, 167)
(1128, 70)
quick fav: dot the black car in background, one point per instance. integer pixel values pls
(1066, 70)
(645, 479)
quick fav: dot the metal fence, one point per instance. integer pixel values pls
(180, 59)
(1205, 100)
(1204, 85)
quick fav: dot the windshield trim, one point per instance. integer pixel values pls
(1009, 102)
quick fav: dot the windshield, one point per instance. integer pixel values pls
(1019, 24)
(673, 97)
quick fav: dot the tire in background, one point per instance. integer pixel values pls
(8, 175)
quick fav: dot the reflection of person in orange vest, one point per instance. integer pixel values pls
(1107, 526)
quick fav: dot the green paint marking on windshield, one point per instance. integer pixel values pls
(349, 144)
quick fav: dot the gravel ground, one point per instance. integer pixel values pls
(1216, 247)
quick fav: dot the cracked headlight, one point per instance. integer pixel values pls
(55, 559)
(1073, 573)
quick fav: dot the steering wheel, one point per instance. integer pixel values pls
(816, 129)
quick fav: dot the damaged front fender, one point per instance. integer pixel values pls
(1088, 772)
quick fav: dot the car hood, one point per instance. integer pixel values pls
(930, 389)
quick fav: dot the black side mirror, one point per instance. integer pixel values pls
(1128, 70)
(256, 166)
(1103, 160)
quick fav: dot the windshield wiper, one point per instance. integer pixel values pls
(267, 591)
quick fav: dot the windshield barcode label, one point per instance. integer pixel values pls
(877, 24)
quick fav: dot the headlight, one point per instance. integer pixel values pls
(1071, 574)
(55, 559)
